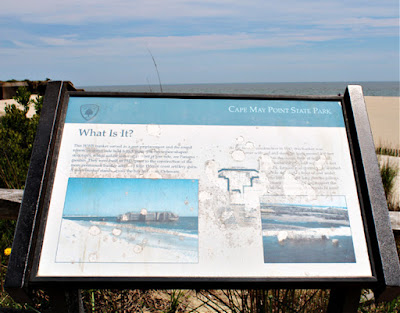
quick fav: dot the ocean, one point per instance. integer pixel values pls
(385, 89)
(185, 224)
(309, 251)
(104, 239)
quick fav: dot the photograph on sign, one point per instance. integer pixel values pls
(171, 187)
(129, 220)
(306, 231)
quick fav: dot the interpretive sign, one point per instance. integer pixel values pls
(170, 189)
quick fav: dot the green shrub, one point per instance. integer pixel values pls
(17, 133)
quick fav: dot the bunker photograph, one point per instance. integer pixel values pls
(129, 220)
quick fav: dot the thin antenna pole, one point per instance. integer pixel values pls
(148, 84)
(155, 65)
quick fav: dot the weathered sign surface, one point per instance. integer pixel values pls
(173, 187)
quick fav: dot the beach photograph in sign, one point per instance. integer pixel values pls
(123, 220)
(301, 231)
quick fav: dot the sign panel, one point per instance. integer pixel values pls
(172, 187)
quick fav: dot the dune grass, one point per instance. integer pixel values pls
(388, 151)
(389, 174)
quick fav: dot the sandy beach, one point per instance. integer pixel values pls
(384, 118)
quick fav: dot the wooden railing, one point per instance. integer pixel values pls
(10, 201)
(395, 219)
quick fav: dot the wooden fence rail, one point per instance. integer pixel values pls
(10, 200)
(395, 219)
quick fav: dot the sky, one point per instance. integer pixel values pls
(103, 42)
(115, 196)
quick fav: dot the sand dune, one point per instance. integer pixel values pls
(4, 103)
(384, 118)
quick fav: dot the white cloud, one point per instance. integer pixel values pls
(22, 45)
(59, 41)
(289, 12)
(72, 45)
(124, 46)
(77, 11)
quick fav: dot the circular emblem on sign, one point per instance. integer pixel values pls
(89, 111)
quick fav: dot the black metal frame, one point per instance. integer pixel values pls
(21, 276)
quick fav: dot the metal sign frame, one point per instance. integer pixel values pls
(30, 231)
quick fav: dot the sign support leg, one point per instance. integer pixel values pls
(66, 301)
(344, 300)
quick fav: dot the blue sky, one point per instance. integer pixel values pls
(102, 42)
(114, 196)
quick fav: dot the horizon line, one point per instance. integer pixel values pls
(233, 83)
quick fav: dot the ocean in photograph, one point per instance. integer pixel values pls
(385, 89)
(105, 239)
(309, 251)
(306, 234)
(185, 224)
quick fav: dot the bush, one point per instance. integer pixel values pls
(17, 133)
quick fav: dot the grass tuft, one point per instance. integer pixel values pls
(388, 151)
(388, 175)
